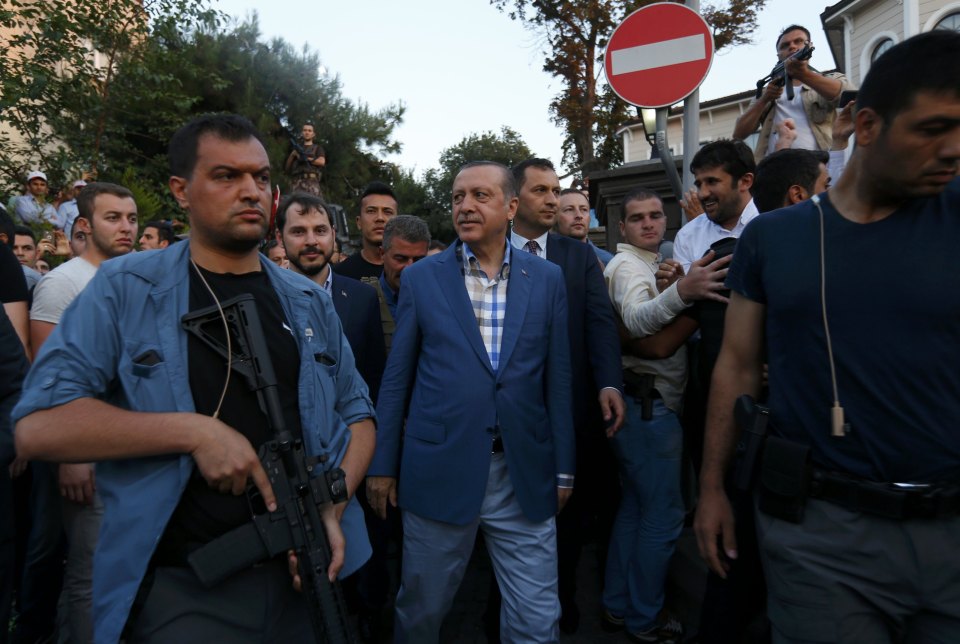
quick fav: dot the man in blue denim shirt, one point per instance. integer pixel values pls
(120, 382)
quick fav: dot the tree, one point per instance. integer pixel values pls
(276, 86)
(573, 36)
(506, 147)
(58, 103)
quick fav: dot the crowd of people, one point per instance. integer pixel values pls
(521, 383)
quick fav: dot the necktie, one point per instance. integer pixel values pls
(532, 247)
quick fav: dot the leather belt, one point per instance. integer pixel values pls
(890, 500)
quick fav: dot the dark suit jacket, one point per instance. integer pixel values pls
(439, 378)
(594, 340)
(357, 306)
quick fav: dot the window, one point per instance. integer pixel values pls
(950, 21)
(881, 47)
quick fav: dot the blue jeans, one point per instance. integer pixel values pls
(650, 517)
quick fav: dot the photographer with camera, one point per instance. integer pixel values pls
(812, 107)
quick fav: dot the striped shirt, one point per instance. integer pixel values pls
(489, 299)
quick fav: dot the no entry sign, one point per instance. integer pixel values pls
(659, 54)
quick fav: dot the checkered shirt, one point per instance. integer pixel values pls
(489, 299)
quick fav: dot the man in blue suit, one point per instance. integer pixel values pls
(306, 230)
(595, 358)
(480, 370)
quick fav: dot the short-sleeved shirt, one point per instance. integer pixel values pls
(58, 288)
(895, 335)
(359, 268)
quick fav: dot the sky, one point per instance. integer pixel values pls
(463, 67)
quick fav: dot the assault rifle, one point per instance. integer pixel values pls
(296, 524)
(779, 75)
(299, 149)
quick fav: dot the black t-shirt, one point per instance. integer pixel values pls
(204, 513)
(895, 335)
(13, 286)
(358, 268)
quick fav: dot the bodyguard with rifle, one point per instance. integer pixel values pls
(177, 419)
(305, 162)
(808, 105)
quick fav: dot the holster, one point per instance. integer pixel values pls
(752, 419)
(785, 475)
(642, 388)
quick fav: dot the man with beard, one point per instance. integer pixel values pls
(177, 434)
(723, 174)
(107, 214)
(306, 232)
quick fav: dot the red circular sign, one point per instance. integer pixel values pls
(658, 55)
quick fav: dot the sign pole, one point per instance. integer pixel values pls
(666, 158)
(691, 129)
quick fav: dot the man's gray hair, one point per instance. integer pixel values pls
(410, 229)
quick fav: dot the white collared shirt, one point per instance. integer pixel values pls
(694, 239)
(520, 242)
(328, 283)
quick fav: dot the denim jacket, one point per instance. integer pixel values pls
(134, 305)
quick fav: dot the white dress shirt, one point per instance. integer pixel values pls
(694, 239)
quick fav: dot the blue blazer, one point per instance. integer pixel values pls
(439, 378)
(358, 308)
(594, 339)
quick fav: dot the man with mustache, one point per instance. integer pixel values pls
(477, 387)
(176, 434)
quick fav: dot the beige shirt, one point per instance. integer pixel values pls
(632, 285)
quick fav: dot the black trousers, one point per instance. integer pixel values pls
(254, 606)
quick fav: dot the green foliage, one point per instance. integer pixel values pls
(506, 147)
(279, 88)
(58, 107)
(150, 205)
(158, 63)
(573, 35)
